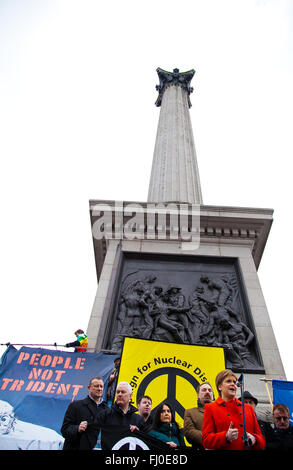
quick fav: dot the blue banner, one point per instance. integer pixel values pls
(283, 393)
(36, 387)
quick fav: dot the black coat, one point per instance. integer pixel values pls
(114, 421)
(148, 423)
(77, 411)
(280, 439)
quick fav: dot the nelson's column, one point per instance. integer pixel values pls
(155, 281)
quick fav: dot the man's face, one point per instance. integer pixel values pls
(281, 419)
(205, 394)
(145, 407)
(123, 396)
(249, 401)
(96, 389)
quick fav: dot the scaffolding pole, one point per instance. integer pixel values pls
(267, 389)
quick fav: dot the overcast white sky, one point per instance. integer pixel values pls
(78, 122)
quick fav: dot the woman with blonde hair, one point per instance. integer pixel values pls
(223, 424)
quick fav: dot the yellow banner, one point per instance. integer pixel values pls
(169, 372)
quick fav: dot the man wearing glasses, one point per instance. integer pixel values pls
(281, 437)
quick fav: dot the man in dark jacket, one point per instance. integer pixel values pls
(249, 399)
(79, 425)
(281, 437)
(120, 418)
(144, 406)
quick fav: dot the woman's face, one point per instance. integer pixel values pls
(228, 388)
(166, 415)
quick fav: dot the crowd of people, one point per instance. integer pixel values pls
(221, 424)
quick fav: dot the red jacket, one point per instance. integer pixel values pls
(216, 421)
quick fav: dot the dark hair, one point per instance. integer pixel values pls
(144, 396)
(78, 332)
(157, 418)
(95, 378)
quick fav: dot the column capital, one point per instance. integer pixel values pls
(177, 78)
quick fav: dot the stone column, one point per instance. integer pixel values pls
(175, 175)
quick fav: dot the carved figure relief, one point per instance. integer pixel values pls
(209, 315)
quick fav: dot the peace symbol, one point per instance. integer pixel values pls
(133, 443)
(172, 373)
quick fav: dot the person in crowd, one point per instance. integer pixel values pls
(222, 426)
(144, 406)
(81, 342)
(165, 428)
(193, 417)
(113, 381)
(121, 416)
(249, 399)
(79, 424)
(281, 436)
